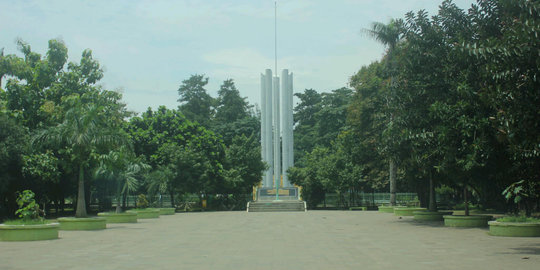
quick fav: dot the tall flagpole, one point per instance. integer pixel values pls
(277, 171)
(275, 37)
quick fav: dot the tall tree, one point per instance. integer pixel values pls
(32, 77)
(195, 103)
(243, 165)
(84, 129)
(126, 170)
(389, 35)
(13, 145)
(191, 152)
(506, 40)
(233, 115)
(332, 116)
(230, 106)
(305, 133)
(367, 120)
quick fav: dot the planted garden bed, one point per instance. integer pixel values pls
(386, 209)
(32, 232)
(113, 217)
(430, 216)
(82, 224)
(407, 211)
(167, 211)
(467, 221)
(358, 208)
(145, 213)
(515, 227)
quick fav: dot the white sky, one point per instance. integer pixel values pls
(148, 47)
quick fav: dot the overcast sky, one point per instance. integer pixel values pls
(147, 47)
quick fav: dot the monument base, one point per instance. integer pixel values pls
(284, 194)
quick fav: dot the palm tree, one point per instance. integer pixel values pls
(161, 182)
(122, 166)
(83, 130)
(389, 35)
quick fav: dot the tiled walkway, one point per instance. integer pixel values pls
(298, 240)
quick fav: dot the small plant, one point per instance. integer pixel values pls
(26, 222)
(520, 219)
(28, 208)
(142, 202)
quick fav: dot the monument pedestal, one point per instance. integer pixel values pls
(284, 194)
(288, 200)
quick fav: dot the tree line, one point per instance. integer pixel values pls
(64, 136)
(452, 104)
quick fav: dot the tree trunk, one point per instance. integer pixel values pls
(118, 197)
(393, 172)
(528, 208)
(81, 201)
(57, 205)
(172, 198)
(466, 200)
(124, 201)
(372, 197)
(432, 201)
(63, 204)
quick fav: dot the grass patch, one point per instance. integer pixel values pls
(121, 213)
(519, 219)
(26, 222)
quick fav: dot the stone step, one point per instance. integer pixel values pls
(276, 206)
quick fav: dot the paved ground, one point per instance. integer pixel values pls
(240, 240)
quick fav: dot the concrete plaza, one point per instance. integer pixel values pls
(288, 240)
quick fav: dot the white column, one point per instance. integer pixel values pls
(291, 122)
(277, 148)
(287, 120)
(263, 128)
(268, 129)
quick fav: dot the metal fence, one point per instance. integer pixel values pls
(368, 199)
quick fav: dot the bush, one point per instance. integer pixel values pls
(28, 208)
(142, 202)
(26, 222)
(461, 206)
(520, 219)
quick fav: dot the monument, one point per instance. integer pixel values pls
(276, 192)
(277, 146)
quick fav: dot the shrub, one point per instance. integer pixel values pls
(28, 208)
(142, 202)
(520, 219)
(26, 222)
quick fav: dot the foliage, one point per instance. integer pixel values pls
(26, 222)
(13, 145)
(28, 208)
(520, 219)
(318, 119)
(243, 165)
(196, 104)
(522, 190)
(125, 169)
(312, 177)
(366, 119)
(42, 166)
(142, 202)
(230, 106)
(508, 47)
(84, 130)
(81, 136)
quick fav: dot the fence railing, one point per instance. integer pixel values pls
(366, 199)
